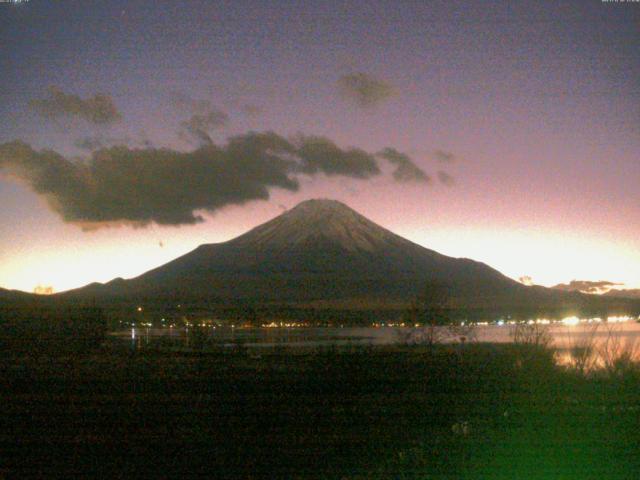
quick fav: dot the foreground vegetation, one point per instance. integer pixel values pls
(422, 411)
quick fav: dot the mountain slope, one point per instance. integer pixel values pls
(320, 251)
(323, 253)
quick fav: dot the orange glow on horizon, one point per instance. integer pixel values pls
(548, 258)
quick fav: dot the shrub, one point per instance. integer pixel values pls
(49, 329)
(532, 347)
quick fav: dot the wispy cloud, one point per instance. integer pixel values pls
(200, 126)
(446, 179)
(365, 90)
(98, 110)
(406, 170)
(444, 157)
(252, 110)
(204, 118)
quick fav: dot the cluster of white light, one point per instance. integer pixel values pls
(284, 325)
(569, 321)
(392, 324)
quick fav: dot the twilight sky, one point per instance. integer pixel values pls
(133, 131)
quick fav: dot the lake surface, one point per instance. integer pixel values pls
(614, 337)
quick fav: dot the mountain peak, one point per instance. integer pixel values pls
(321, 204)
(322, 210)
(318, 219)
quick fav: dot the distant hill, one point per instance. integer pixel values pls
(323, 254)
(622, 293)
(14, 295)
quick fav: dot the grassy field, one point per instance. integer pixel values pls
(464, 411)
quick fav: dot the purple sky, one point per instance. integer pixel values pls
(538, 104)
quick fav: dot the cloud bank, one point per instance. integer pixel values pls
(137, 186)
(98, 110)
(586, 286)
(365, 90)
(526, 280)
(43, 290)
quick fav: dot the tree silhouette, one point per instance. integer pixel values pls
(428, 313)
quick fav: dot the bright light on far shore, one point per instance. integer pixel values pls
(571, 320)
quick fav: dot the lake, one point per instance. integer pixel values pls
(610, 338)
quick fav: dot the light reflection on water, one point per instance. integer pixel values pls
(568, 338)
(257, 337)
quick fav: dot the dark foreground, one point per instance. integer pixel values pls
(473, 411)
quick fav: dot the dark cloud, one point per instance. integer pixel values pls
(444, 157)
(363, 89)
(445, 178)
(96, 142)
(586, 286)
(406, 170)
(199, 126)
(321, 155)
(136, 186)
(99, 109)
